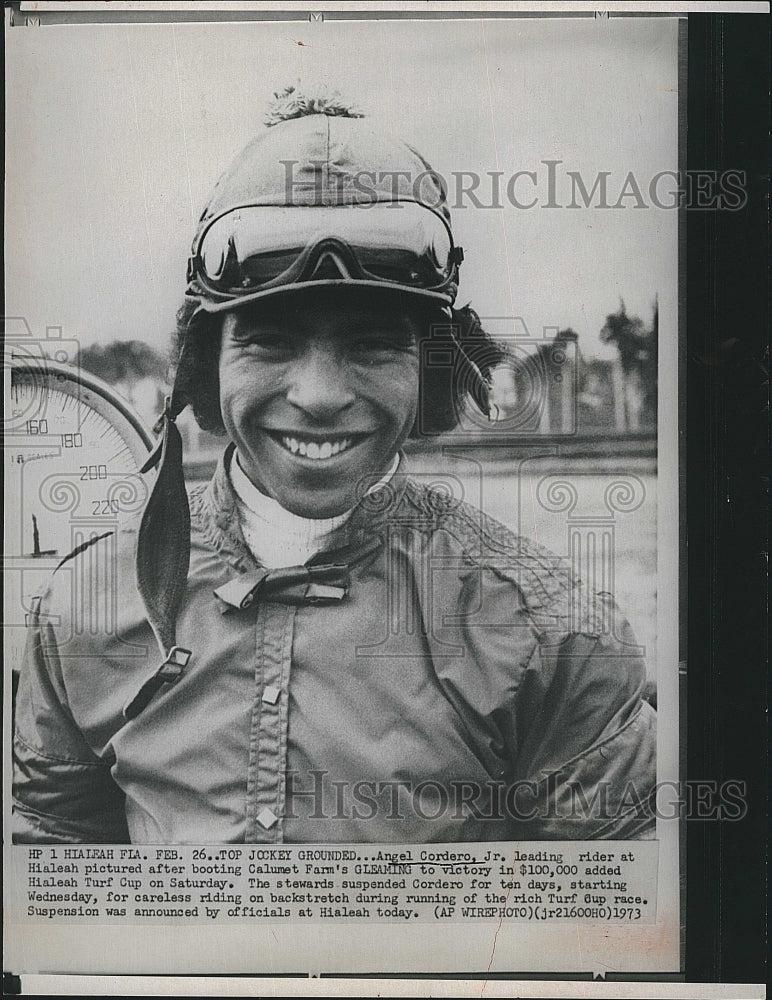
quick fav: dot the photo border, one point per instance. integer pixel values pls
(724, 902)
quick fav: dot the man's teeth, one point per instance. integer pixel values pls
(312, 449)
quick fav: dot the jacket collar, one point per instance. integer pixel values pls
(347, 544)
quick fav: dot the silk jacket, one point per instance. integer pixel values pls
(440, 680)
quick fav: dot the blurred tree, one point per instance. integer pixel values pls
(124, 361)
(636, 385)
(132, 368)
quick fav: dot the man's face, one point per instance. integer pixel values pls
(318, 392)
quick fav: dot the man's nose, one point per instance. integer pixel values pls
(320, 384)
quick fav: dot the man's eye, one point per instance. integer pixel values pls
(276, 342)
(370, 344)
(379, 345)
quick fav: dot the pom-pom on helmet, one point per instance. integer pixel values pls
(320, 197)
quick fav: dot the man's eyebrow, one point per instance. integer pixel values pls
(387, 329)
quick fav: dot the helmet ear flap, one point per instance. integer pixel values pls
(456, 360)
(196, 365)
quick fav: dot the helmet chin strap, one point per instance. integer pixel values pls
(163, 552)
(478, 386)
(163, 544)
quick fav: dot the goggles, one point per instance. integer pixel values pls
(254, 250)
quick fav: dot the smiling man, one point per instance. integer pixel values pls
(319, 391)
(347, 656)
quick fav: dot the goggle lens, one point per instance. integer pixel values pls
(396, 242)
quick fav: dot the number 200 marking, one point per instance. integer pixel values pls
(92, 472)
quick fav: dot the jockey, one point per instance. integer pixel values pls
(345, 655)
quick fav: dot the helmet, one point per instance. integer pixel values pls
(323, 198)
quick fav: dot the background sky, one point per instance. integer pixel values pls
(116, 134)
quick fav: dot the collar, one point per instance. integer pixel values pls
(277, 537)
(222, 529)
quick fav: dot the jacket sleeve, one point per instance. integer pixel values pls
(587, 755)
(62, 791)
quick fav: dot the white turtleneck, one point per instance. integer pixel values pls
(276, 537)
